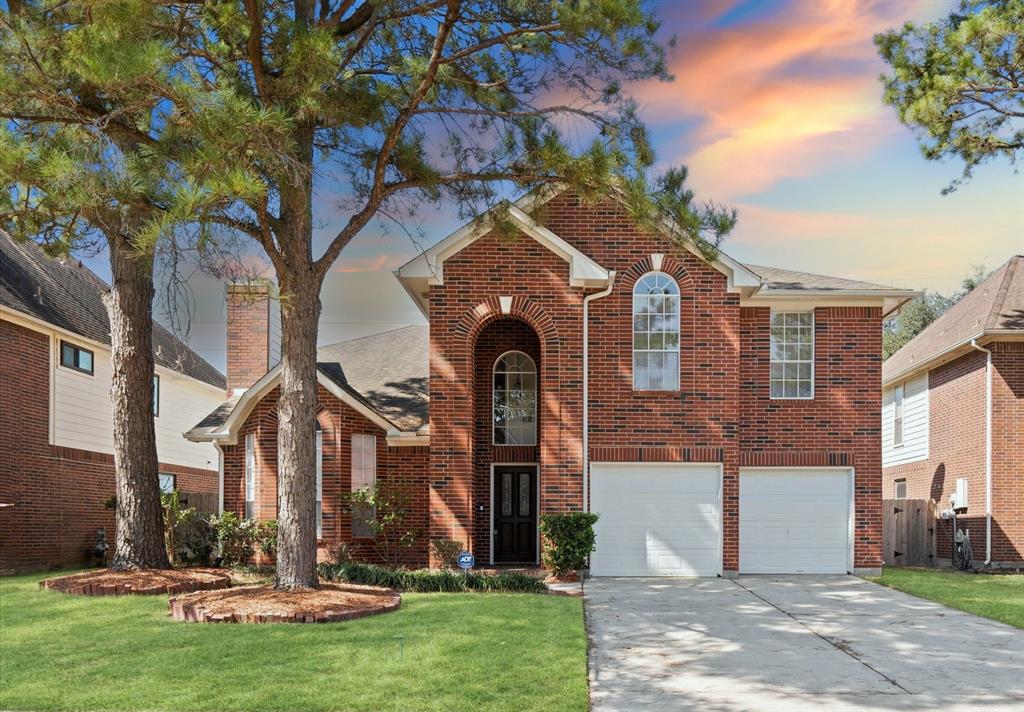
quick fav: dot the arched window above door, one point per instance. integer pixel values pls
(515, 399)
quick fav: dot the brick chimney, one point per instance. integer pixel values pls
(254, 333)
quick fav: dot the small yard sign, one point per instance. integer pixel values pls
(466, 560)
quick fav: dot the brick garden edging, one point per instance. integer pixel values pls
(184, 581)
(193, 609)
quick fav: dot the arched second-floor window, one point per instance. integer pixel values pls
(656, 333)
(515, 399)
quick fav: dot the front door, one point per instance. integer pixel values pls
(515, 514)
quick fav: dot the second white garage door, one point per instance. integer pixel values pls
(656, 519)
(795, 521)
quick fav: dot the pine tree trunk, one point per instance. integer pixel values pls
(139, 540)
(296, 533)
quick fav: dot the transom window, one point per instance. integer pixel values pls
(792, 355)
(515, 399)
(656, 333)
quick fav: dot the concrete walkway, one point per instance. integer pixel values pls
(792, 643)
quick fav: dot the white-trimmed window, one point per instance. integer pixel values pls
(897, 416)
(250, 475)
(656, 333)
(900, 488)
(792, 354)
(515, 399)
(364, 475)
(319, 482)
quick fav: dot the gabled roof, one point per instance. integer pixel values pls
(994, 308)
(69, 296)
(382, 376)
(758, 284)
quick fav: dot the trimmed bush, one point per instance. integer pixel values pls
(569, 539)
(430, 581)
(447, 552)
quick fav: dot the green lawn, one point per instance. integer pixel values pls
(438, 652)
(996, 596)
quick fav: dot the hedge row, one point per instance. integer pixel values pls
(430, 581)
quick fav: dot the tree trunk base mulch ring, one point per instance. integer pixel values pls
(139, 582)
(331, 603)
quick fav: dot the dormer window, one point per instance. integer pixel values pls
(656, 333)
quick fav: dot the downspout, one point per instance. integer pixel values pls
(988, 449)
(586, 384)
(220, 478)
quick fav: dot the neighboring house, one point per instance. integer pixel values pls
(56, 461)
(953, 409)
(719, 417)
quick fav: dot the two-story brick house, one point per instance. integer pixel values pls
(719, 417)
(953, 410)
(56, 417)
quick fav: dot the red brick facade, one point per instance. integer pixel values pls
(956, 449)
(501, 294)
(249, 336)
(402, 466)
(54, 495)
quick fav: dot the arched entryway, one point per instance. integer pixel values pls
(507, 414)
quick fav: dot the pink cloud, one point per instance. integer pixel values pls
(779, 96)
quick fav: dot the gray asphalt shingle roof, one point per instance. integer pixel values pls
(995, 305)
(776, 278)
(68, 295)
(389, 370)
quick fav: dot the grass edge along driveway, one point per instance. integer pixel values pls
(466, 651)
(996, 596)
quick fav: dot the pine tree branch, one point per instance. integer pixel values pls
(377, 192)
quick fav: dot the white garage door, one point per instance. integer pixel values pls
(656, 520)
(794, 521)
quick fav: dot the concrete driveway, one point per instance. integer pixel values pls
(792, 643)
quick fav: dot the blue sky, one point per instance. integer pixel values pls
(776, 107)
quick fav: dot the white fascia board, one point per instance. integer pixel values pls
(889, 301)
(427, 269)
(407, 440)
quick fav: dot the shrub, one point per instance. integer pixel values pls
(429, 581)
(341, 553)
(265, 537)
(385, 509)
(235, 542)
(447, 552)
(188, 535)
(569, 539)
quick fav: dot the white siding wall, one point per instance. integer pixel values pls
(82, 416)
(915, 423)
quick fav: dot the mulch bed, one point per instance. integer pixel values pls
(142, 582)
(331, 603)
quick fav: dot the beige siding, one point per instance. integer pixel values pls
(82, 416)
(915, 423)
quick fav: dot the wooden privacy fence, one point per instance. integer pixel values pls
(203, 501)
(908, 532)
